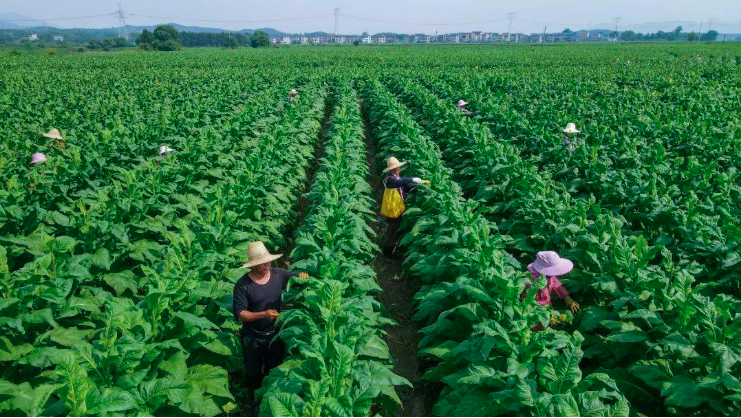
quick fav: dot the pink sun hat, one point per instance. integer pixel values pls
(550, 263)
(462, 102)
(38, 157)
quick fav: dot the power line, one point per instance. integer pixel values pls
(58, 18)
(230, 21)
(419, 23)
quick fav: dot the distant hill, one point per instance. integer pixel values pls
(17, 21)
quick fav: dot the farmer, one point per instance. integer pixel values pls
(164, 150)
(462, 109)
(551, 265)
(293, 95)
(569, 142)
(392, 207)
(54, 134)
(38, 158)
(257, 304)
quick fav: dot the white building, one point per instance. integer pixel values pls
(286, 40)
(58, 38)
(274, 40)
(339, 39)
(367, 39)
(316, 40)
(33, 37)
(455, 38)
(422, 39)
(304, 40)
(380, 40)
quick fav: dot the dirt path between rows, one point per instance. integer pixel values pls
(396, 297)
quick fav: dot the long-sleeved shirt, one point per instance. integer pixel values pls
(404, 184)
(552, 284)
(253, 297)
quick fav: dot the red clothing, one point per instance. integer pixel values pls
(543, 297)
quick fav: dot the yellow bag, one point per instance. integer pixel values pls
(392, 205)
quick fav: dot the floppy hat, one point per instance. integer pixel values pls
(53, 134)
(38, 157)
(392, 163)
(293, 91)
(550, 263)
(571, 129)
(462, 102)
(165, 149)
(258, 254)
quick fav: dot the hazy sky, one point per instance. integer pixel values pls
(385, 15)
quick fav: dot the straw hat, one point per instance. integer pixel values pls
(293, 91)
(550, 263)
(571, 129)
(462, 102)
(165, 149)
(258, 254)
(38, 157)
(392, 163)
(53, 134)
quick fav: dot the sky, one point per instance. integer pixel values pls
(373, 16)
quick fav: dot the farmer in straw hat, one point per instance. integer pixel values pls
(54, 134)
(257, 304)
(403, 185)
(550, 265)
(293, 95)
(569, 142)
(462, 109)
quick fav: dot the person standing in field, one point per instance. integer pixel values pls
(293, 96)
(550, 265)
(257, 304)
(569, 142)
(392, 207)
(461, 107)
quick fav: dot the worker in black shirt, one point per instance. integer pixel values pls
(257, 302)
(404, 185)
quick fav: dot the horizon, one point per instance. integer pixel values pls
(529, 17)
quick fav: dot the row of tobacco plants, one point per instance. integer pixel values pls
(636, 297)
(478, 327)
(338, 363)
(116, 264)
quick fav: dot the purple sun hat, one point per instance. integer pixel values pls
(550, 263)
(38, 157)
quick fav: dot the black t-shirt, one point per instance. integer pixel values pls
(253, 297)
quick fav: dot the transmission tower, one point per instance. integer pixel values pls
(123, 31)
(336, 20)
(617, 20)
(510, 16)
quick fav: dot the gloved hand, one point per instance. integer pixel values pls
(303, 276)
(571, 303)
(426, 182)
(417, 180)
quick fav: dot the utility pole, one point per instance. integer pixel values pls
(510, 16)
(336, 20)
(545, 29)
(123, 31)
(700, 35)
(617, 20)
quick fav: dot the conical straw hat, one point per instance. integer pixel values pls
(165, 149)
(571, 129)
(392, 163)
(258, 254)
(53, 134)
(293, 91)
(462, 102)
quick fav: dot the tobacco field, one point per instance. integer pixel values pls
(117, 265)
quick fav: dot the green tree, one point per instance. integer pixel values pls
(231, 42)
(145, 40)
(166, 38)
(692, 36)
(709, 36)
(260, 39)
